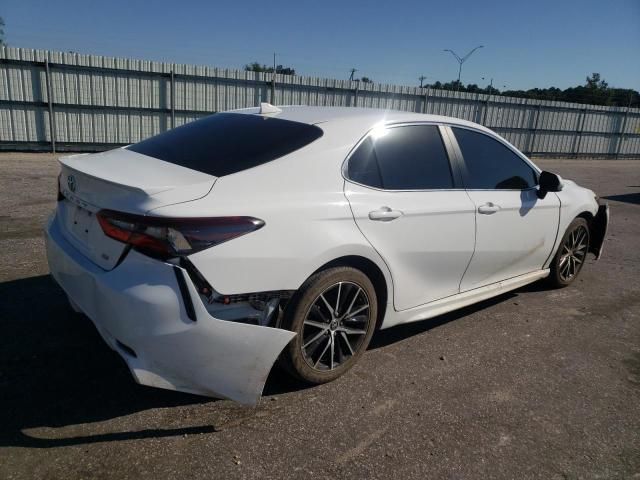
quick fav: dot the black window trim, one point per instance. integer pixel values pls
(463, 166)
(456, 174)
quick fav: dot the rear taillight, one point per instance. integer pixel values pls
(173, 237)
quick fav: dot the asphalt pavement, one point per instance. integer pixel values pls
(536, 383)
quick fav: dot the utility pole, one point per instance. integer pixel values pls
(490, 85)
(353, 71)
(461, 60)
(422, 78)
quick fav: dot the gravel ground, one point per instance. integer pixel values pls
(533, 384)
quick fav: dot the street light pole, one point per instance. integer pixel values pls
(461, 60)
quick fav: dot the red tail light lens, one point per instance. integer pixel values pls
(173, 237)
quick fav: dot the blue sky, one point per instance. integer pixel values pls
(533, 43)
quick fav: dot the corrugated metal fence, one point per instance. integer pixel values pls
(93, 103)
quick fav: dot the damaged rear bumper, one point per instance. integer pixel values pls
(166, 336)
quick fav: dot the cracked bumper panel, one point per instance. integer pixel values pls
(139, 311)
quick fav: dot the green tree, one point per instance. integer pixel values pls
(366, 80)
(257, 67)
(595, 91)
(595, 83)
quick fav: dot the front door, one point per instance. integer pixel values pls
(408, 206)
(515, 230)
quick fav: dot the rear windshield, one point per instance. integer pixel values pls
(227, 143)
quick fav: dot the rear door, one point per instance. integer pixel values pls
(515, 230)
(409, 204)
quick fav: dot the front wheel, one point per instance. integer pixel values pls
(334, 315)
(571, 254)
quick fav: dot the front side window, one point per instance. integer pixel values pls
(411, 157)
(491, 165)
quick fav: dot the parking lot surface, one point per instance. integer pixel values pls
(536, 383)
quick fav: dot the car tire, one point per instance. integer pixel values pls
(571, 254)
(327, 343)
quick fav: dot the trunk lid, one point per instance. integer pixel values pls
(120, 180)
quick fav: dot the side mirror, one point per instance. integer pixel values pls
(548, 182)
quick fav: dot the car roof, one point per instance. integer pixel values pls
(355, 117)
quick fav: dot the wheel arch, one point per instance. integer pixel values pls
(588, 216)
(597, 225)
(592, 227)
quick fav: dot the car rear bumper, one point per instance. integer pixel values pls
(140, 311)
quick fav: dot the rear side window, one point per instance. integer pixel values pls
(491, 165)
(227, 143)
(363, 165)
(410, 157)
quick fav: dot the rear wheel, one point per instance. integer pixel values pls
(334, 315)
(571, 254)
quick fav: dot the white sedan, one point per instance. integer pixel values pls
(205, 253)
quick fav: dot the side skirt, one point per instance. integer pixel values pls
(454, 302)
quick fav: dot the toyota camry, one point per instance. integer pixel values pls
(206, 253)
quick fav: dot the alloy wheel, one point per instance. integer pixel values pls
(573, 253)
(335, 326)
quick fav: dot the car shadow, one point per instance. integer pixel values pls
(633, 198)
(398, 333)
(56, 371)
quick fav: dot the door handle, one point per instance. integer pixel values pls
(488, 208)
(384, 214)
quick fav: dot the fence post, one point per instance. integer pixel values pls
(355, 94)
(273, 88)
(52, 122)
(578, 138)
(486, 109)
(173, 99)
(426, 100)
(623, 127)
(532, 137)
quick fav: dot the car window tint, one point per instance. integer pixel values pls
(227, 143)
(410, 157)
(491, 165)
(363, 166)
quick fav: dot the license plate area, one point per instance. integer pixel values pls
(82, 229)
(80, 222)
